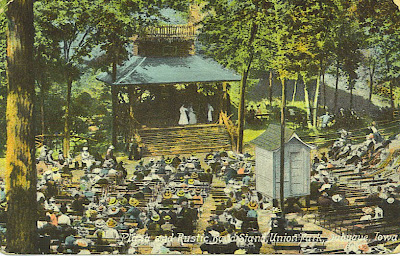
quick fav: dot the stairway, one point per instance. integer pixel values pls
(186, 139)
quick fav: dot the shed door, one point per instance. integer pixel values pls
(296, 168)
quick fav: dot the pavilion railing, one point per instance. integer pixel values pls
(171, 31)
(232, 129)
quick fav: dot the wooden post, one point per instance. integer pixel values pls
(131, 95)
(67, 132)
(225, 103)
(114, 99)
(271, 80)
(241, 110)
(282, 150)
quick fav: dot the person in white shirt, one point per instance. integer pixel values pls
(192, 116)
(210, 113)
(64, 220)
(183, 119)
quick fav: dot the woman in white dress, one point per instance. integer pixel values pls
(183, 119)
(210, 113)
(192, 116)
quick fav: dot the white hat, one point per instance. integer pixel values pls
(383, 196)
(85, 148)
(111, 147)
(336, 198)
(100, 223)
(325, 173)
(390, 200)
(325, 186)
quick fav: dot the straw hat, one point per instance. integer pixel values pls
(195, 175)
(367, 210)
(276, 210)
(111, 223)
(167, 195)
(133, 201)
(123, 200)
(180, 193)
(112, 201)
(190, 165)
(240, 251)
(252, 205)
(82, 243)
(155, 217)
(113, 210)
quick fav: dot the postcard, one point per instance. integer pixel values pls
(199, 127)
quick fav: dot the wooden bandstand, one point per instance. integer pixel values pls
(164, 74)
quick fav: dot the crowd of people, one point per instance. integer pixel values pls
(108, 211)
(362, 158)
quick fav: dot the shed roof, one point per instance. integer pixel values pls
(271, 139)
(169, 70)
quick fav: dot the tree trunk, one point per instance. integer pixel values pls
(114, 99)
(324, 88)
(371, 80)
(295, 90)
(307, 102)
(132, 94)
(243, 89)
(242, 107)
(282, 151)
(392, 98)
(315, 105)
(67, 132)
(336, 86)
(351, 92)
(271, 79)
(20, 157)
(42, 119)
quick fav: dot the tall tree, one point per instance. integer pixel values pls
(383, 24)
(20, 160)
(232, 32)
(67, 23)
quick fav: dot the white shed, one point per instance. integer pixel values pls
(297, 163)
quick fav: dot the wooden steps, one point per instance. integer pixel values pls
(185, 139)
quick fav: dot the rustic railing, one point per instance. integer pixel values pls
(171, 31)
(41, 139)
(232, 129)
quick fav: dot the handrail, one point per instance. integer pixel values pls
(62, 135)
(232, 129)
(167, 31)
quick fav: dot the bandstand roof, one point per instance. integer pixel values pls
(169, 70)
